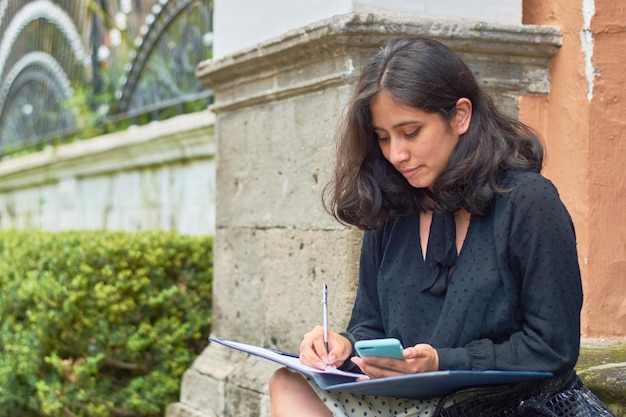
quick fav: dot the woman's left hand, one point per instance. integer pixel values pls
(417, 359)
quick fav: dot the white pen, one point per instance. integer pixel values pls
(325, 315)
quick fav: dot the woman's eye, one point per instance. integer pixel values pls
(383, 138)
(412, 133)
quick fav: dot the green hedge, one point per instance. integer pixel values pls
(100, 324)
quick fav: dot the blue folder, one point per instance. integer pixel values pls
(417, 386)
(428, 384)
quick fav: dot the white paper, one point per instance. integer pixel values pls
(289, 361)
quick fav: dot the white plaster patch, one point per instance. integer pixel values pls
(586, 39)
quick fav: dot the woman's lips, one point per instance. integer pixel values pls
(407, 173)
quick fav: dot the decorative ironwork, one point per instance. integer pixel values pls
(39, 49)
(178, 50)
(70, 64)
(31, 102)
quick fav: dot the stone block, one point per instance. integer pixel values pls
(241, 401)
(247, 388)
(203, 384)
(273, 292)
(284, 151)
(602, 366)
(202, 392)
(252, 373)
(225, 382)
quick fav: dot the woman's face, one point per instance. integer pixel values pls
(418, 144)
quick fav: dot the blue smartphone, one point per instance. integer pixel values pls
(382, 348)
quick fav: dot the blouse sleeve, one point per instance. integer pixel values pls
(539, 250)
(366, 322)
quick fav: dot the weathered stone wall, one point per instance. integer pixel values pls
(277, 106)
(159, 176)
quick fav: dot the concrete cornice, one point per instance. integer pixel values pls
(321, 55)
(180, 138)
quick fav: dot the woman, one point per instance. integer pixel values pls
(469, 256)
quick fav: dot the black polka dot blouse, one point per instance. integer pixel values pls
(511, 302)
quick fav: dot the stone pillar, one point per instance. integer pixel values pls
(277, 105)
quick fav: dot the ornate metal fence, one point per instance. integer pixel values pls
(75, 68)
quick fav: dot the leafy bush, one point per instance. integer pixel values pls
(100, 323)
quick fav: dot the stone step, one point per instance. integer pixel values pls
(602, 367)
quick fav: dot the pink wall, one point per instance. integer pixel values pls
(583, 123)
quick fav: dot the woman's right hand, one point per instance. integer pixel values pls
(313, 352)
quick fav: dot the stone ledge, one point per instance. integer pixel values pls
(327, 54)
(182, 138)
(370, 30)
(602, 366)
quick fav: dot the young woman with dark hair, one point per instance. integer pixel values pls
(468, 257)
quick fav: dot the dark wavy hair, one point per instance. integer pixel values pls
(366, 190)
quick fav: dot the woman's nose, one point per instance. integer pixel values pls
(397, 150)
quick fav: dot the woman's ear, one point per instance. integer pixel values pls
(463, 115)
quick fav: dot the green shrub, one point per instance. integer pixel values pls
(100, 324)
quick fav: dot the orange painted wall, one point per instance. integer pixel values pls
(583, 125)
